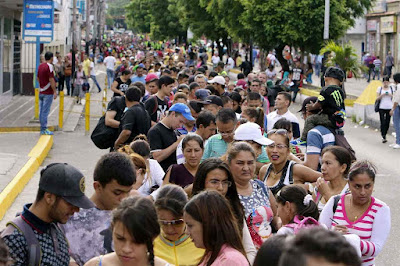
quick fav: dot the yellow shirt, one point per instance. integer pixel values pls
(86, 67)
(181, 252)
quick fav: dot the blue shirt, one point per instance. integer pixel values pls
(141, 79)
(318, 138)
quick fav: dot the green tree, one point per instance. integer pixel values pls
(138, 16)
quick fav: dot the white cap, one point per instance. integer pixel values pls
(218, 79)
(251, 131)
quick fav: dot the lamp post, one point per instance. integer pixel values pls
(326, 20)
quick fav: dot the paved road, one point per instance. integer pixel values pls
(78, 150)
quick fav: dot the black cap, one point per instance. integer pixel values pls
(212, 99)
(307, 101)
(67, 182)
(335, 72)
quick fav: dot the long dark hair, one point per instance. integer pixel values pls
(231, 195)
(295, 194)
(171, 198)
(213, 211)
(139, 217)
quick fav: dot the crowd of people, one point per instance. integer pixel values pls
(204, 171)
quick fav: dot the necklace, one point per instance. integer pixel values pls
(359, 214)
(275, 172)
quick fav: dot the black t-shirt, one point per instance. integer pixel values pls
(161, 137)
(156, 112)
(122, 86)
(297, 74)
(137, 120)
(117, 104)
(331, 99)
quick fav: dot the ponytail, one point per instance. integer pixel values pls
(150, 252)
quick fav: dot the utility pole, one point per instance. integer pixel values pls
(326, 20)
(74, 31)
(87, 39)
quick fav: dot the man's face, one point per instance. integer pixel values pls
(262, 77)
(111, 194)
(152, 87)
(209, 131)
(167, 88)
(177, 121)
(213, 108)
(254, 103)
(202, 82)
(227, 130)
(281, 102)
(61, 210)
(139, 72)
(255, 87)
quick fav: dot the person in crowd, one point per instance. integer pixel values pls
(93, 73)
(121, 84)
(283, 123)
(61, 193)
(296, 209)
(309, 73)
(236, 102)
(377, 68)
(213, 104)
(180, 97)
(110, 61)
(162, 138)
(297, 78)
(218, 83)
(139, 74)
(217, 145)
(227, 102)
(134, 226)
(201, 80)
(318, 246)
(395, 111)
(151, 85)
(68, 74)
(359, 213)
(135, 120)
(384, 95)
(157, 105)
(152, 179)
(389, 63)
(47, 91)
(183, 78)
(183, 174)
(173, 244)
(336, 162)
(78, 79)
(193, 87)
(271, 73)
(271, 251)
(88, 230)
(214, 228)
(258, 202)
(282, 171)
(254, 115)
(214, 174)
(282, 104)
(183, 88)
(317, 138)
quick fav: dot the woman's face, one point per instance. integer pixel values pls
(193, 153)
(171, 231)
(361, 188)
(386, 84)
(330, 167)
(243, 166)
(127, 250)
(279, 151)
(235, 105)
(217, 180)
(248, 118)
(284, 212)
(194, 229)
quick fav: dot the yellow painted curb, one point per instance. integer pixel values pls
(25, 129)
(37, 154)
(236, 71)
(308, 92)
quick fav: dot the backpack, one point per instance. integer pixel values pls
(104, 136)
(300, 222)
(34, 252)
(340, 140)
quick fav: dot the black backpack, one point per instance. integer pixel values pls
(104, 136)
(340, 140)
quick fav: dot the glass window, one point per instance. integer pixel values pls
(6, 55)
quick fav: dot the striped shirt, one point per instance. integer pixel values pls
(372, 227)
(318, 138)
(215, 147)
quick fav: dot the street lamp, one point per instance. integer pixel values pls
(326, 20)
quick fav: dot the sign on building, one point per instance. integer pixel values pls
(388, 24)
(38, 20)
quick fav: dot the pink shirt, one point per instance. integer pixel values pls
(228, 257)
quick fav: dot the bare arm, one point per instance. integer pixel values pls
(114, 88)
(161, 155)
(312, 161)
(302, 174)
(262, 172)
(110, 121)
(123, 136)
(167, 177)
(53, 86)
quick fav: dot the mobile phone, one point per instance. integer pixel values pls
(387, 92)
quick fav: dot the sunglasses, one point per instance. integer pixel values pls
(280, 131)
(175, 223)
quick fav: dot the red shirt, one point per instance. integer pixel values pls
(45, 72)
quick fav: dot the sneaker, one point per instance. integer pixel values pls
(46, 132)
(396, 146)
(391, 145)
(384, 140)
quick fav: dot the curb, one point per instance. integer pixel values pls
(308, 92)
(25, 129)
(37, 154)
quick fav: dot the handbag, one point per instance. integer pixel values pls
(377, 102)
(85, 86)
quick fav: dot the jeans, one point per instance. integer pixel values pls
(317, 68)
(377, 73)
(61, 82)
(388, 71)
(396, 122)
(45, 101)
(295, 89)
(110, 77)
(384, 117)
(68, 83)
(95, 81)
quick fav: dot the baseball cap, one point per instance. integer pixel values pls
(66, 181)
(307, 101)
(212, 99)
(218, 79)
(183, 109)
(132, 58)
(151, 77)
(335, 72)
(241, 83)
(251, 131)
(202, 94)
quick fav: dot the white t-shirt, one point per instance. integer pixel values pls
(396, 96)
(231, 64)
(110, 61)
(215, 59)
(156, 178)
(92, 71)
(274, 116)
(386, 100)
(270, 74)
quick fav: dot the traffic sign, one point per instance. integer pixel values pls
(38, 19)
